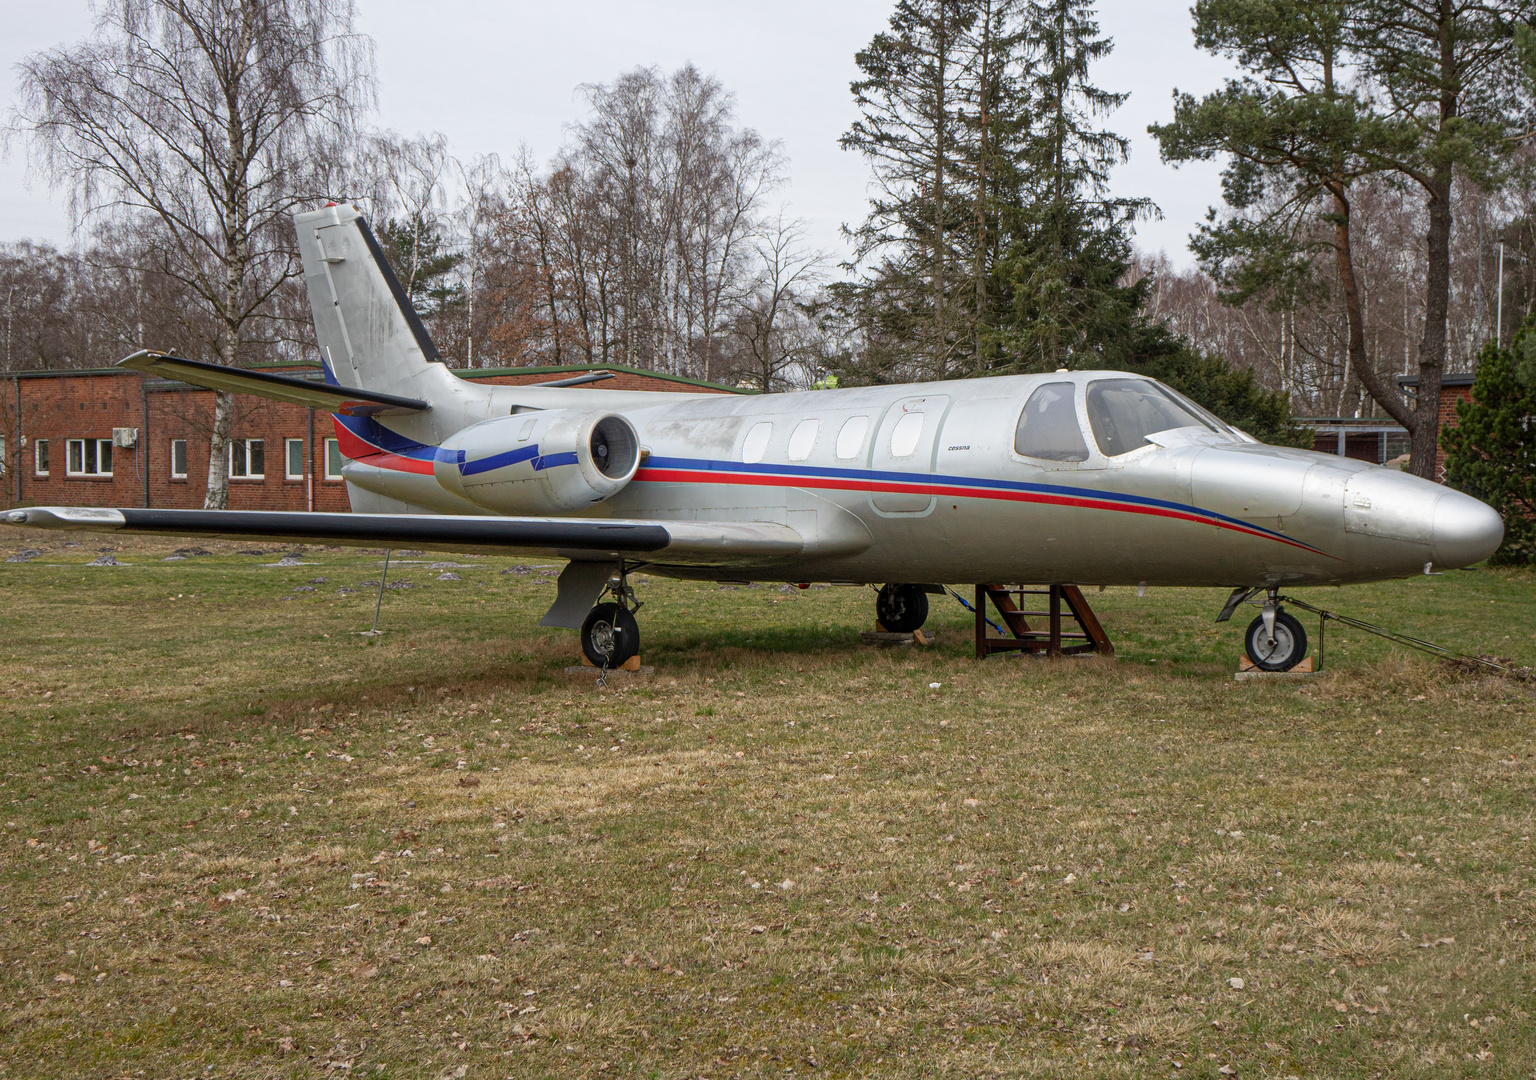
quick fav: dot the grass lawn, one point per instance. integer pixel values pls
(239, 839)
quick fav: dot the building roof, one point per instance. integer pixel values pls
(1449, 378)
(1357, 425)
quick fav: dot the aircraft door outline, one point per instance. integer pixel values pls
(911, 425)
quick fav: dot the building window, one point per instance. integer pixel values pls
(247, 459)
(293, 456)
(89, 457)
(40, 457)
(2, 454)
(333, 460)
(178, 459)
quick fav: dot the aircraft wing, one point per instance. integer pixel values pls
(314, 395)
(684, 543)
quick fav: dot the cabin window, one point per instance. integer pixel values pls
(756, 444)
(1125, 412)
(333, 460)
(40, 457)
(803, 439)
(89, 457)
(178, 459)
(906, 433)
(293, 459)
(527, 430)
(1048, 426)
(850, 440)
(247, 459)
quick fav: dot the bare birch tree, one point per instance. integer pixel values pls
(208, 121)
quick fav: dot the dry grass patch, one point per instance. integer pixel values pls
(259, 845)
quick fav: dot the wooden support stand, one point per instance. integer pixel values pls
(1011, 603)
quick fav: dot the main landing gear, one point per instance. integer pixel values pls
(902, 609)
(1275, 640)
(610, 636)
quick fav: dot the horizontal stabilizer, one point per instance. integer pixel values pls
(314, 395)
(687, 543)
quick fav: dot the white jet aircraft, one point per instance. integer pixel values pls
(1075, 477)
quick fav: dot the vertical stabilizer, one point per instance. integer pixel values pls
(368, 330)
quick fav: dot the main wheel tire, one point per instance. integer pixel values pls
(1285, 651)
(902, 609)
(610, 636)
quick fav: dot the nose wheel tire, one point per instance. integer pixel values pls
(902, 609)
(1281, 653)
(610, 636)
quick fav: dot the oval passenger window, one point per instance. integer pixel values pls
(756, 445)
(802, 439)
(850, 440)
(905, 434)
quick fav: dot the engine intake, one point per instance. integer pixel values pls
(554, 461)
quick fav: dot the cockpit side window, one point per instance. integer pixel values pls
(1124, 412)
(1048, 426)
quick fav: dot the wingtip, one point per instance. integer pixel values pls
(66, 517)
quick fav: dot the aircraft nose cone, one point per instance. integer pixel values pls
(1466, 530)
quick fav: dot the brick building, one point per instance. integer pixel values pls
(1453, 388)
(112, 437)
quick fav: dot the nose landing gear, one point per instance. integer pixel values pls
(1275, 640)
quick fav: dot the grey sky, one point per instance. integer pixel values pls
(493, 75)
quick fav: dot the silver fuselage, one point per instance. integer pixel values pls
(1196, 508)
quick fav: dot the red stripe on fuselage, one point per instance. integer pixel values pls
(357, 450)
(702, 476)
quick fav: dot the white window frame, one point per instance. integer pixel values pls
(101, 444)
(182, 475)
(288, 473)
(244, 448)
(329, 444)
(4, 464)
(40, 457)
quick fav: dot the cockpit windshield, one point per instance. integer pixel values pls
(1125, 412)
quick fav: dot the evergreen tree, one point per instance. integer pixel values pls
(908, 97)
(423, 262)
(1491, 453)
(1069, 246)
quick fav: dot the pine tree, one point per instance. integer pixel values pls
(1069, 246)
(907, 94)
(423, 262)
(1491, 453)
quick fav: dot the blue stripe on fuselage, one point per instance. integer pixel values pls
(985, 483)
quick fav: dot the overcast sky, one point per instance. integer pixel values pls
(494, 75)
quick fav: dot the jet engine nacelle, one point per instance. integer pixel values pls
(552, 461)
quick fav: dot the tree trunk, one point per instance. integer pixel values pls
(940, 148)
(1424, 435)
(1381, 389)
(218, 454)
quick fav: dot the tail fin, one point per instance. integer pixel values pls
(369, 333)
